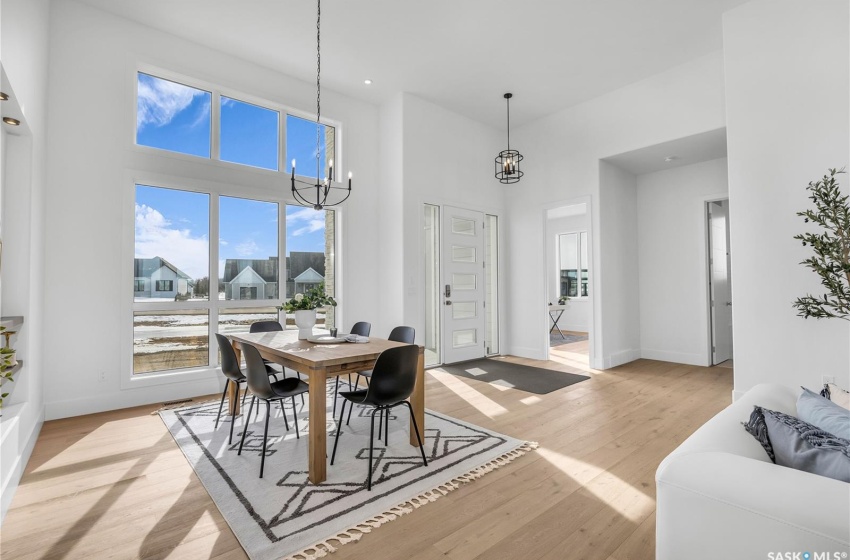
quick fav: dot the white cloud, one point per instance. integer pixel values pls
(160, 101)
(247, 248)
(313, 220)
(155, 237)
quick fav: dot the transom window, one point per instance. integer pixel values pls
(177, 117)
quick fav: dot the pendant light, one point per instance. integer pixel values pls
(316, 194)
(507, 162)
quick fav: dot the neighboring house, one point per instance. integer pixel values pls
(158, 278)
(251, 278)
(304, 270)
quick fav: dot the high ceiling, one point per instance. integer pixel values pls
(460, 54)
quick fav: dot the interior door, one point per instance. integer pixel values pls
(721, 292)
(463, 285)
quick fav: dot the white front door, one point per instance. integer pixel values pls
(721, 289)
(463, 285)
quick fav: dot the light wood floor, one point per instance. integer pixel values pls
(115, 485)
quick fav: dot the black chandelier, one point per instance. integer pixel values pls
(316, 193)
(507, 162)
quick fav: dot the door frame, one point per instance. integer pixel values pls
(497, 211)
(706, 246)
(593, 327)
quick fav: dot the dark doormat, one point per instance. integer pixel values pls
(516, 376)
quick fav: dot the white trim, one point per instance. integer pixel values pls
(675, 357)
(620, 358)
(20, 459)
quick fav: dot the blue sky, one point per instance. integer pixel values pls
(174, 224)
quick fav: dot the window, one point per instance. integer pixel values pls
(172, 116)
(177, 117)
(174, 324)
(573, 264)
(164, 285)
(310, 256)
(301, 146)
(249, 134)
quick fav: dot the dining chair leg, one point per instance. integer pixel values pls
(336, 392)
(295, 415)
(387, 429)
(265, 436)
(244, 394)
(221, 405)
(245, 429)
(338, 430)
(350, 388)
(371, 447)
(380, 424)
(416, 429)
(283, 413)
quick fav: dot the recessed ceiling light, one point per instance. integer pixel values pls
(11, 121)
(368, 82)
(4, 96)
(668, 159)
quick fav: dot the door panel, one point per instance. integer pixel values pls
(463, 285)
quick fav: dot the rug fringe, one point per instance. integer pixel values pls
(353, 533)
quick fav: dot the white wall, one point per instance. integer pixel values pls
(24, 47)
(562, 162)
(620, 282)
(89, 211)
(446, 157)
(787, 91)
(577, 315)
(674, 323)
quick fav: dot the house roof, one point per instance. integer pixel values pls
(309, 276)
(248, 276)
(265, 268)
(144, 268)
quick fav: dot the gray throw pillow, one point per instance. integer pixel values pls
(823, 413)
(792, 443)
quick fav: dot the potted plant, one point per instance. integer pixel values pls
(8, 355)
(831, 245)
(304, 307)
(7, 362)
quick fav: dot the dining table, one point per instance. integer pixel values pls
(320, 362)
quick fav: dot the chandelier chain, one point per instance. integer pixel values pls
(318, 87)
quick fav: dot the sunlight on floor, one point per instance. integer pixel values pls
(484, 405)
(619, 495)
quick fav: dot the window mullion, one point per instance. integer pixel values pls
(215, 128)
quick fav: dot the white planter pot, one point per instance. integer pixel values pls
(305, 319)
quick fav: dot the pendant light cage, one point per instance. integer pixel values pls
(507, 162)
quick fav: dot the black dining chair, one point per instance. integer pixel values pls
(393, 379)
(361, 328)
(271, 326)
(264, 390)
(233, 374)
(399, 334)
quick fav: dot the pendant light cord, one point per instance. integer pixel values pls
(509, 123)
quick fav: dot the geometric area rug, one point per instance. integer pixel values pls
(282, 515)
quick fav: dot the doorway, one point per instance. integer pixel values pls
(461, 284)
(719, 281)
(568, 286)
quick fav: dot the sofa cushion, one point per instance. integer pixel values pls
(823, 413)
(796, 444)
(837, 395)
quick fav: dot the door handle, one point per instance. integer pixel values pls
(728, 304)
(448, 302)
(448, 291)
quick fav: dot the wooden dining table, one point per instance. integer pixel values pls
(319, 362)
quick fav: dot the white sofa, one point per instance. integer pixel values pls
(720, 496)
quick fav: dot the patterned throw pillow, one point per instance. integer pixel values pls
(837, 395)
(790, 442)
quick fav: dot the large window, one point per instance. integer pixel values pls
(572, 264)
(178, 118)
(310, 257)
(248, 266)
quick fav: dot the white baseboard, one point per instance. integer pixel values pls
(675, 357)
(620, 358)
(130, 398)
(20, 455)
